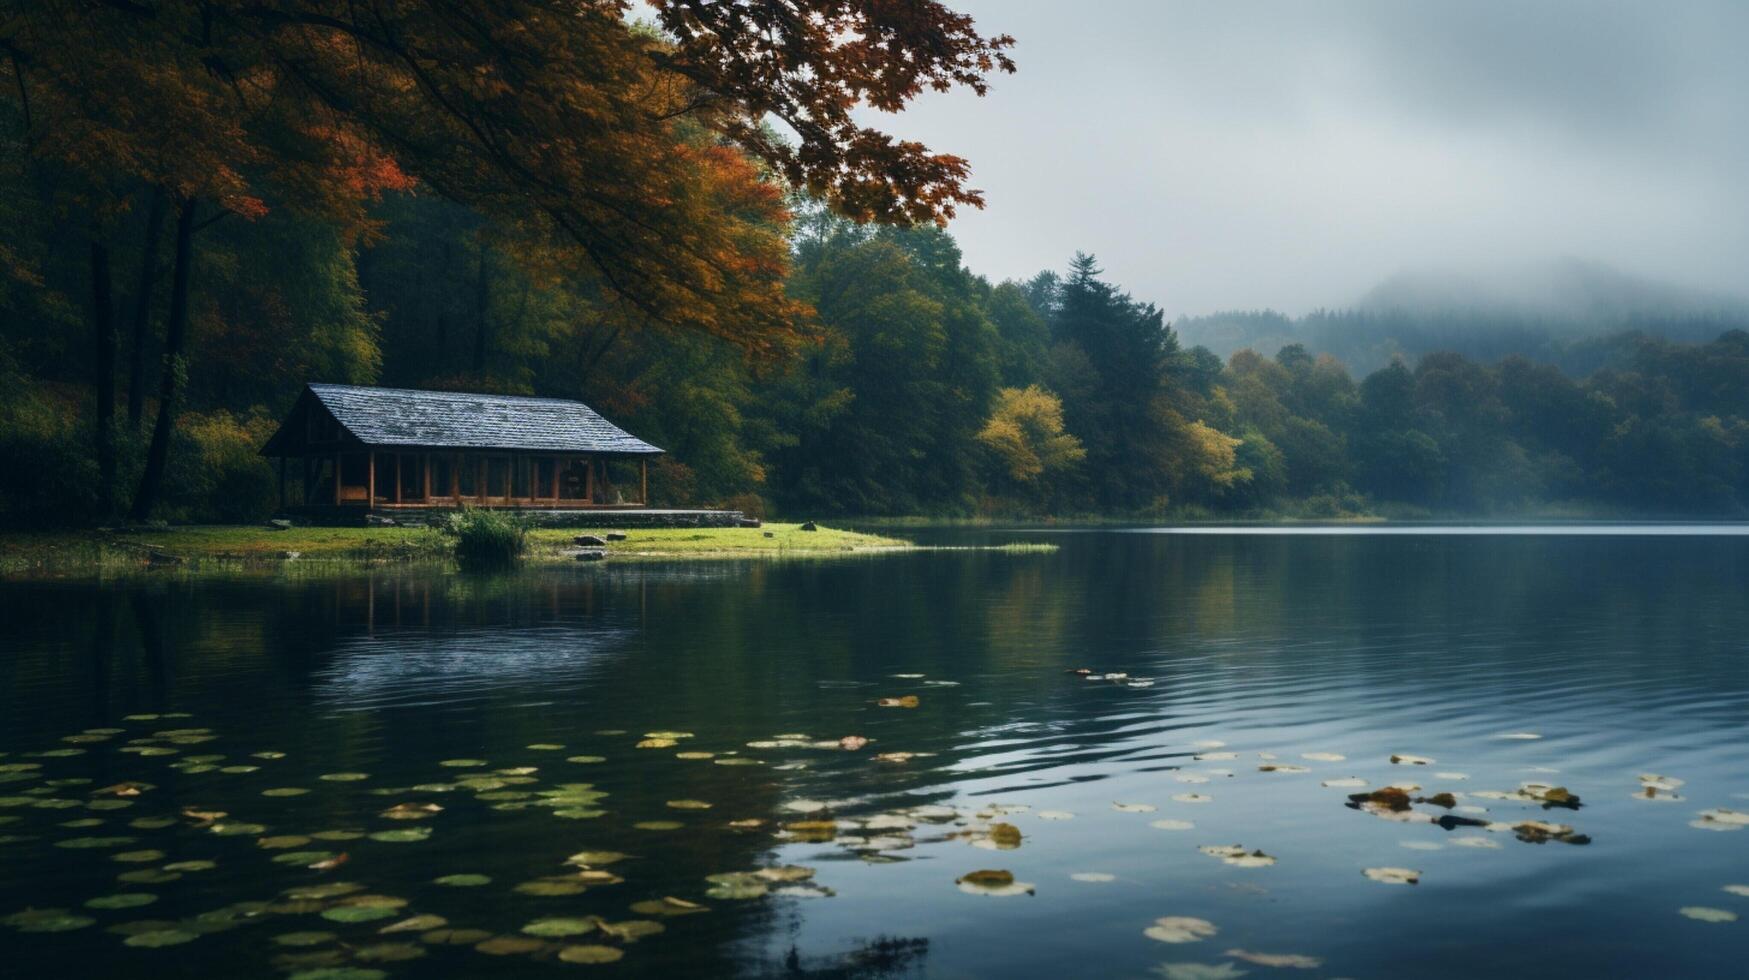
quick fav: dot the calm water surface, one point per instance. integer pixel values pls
(1626, 654)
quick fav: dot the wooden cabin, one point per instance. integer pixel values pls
(396, 448)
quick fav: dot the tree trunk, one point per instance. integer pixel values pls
(175, 327)
(482, 298)
(143, 309)
(103, 371)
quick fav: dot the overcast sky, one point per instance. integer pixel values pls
(1292, 153)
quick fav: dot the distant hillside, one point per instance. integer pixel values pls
(1562, 312)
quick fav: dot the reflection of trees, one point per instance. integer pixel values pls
(883, 956)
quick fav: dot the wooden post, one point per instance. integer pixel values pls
(644, 482)
(397, 458)
(370, 480)
(588, 482)
(426, 479)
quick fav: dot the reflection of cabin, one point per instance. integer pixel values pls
(387, 448)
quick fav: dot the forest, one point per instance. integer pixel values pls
(204, 206)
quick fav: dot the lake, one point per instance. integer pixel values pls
(252, 774)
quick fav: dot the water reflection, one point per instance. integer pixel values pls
(1623, 652)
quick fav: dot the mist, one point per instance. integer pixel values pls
(1294, 156)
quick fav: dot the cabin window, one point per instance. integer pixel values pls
(385, 488)
(497, 476)
(412, 476)
(468, 477)
(519, 476)
(574, 480)
(543, 478)
(441, 477)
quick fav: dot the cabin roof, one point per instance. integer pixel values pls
(463, 420)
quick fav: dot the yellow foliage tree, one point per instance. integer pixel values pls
(1026, 432)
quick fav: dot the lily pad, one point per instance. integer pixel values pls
(282, 842)
(463, 880)
(403, 835)
(195, 865)
(1134, 807)
(559, 927)
(161, 937)
(311, 938)
(357, 913)
(1093, 877)
(510, 945)
(994, 883)
(454, 937)
(344, 777)
(1702, 913)
(417, 923)
(689, 805)
(47, 920)
(463, 763)
(551, 887)
(123, 900)
(586, 760)
(1394, 876)
(668, 906)
(658, 825)
(388, 952)
(590, 954)
(137, 857)
(1180, 929)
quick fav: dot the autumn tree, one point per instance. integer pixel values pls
(1025, 431)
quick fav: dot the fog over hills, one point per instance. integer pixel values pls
(1561, 311)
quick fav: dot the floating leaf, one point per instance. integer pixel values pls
(656, 743)
(1742, 890)
(631, 930)
(403, 835)
(284, 791)
(161, 937)
(1394, 876)
(463, 880)
(196, 865)
(668, 906)
(545, 747)
(1093, 877)
(284, 841)
(586, 759)
(1704, 913)
(411, 811)
(344, 777)
(124, 900)
(304, 938)
(551, 887)
(590, 954)
(147, 876)
(510, 945)
(1180, 929)
(1199, 971)
(463, 763)
(1237, 856)
(736, 885)
(357, 913)
(332, 889)
(787, 872)
(908, 701)
(559, 927)
(388, 952)
(693, 755)
(689, 804)
(304, 858)
(454, 937)
(1192, 798)
(996, 883)
(1134, 807)
(1293, 961)
(338, 834)
(1323, 757)
(1411, 760)
(138, 857)
(47, 920)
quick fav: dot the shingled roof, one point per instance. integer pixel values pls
(461, 420)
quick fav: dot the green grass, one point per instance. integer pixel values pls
(74, 553)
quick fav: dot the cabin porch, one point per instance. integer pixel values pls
(395, 480)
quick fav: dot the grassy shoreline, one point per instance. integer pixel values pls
(56, 554)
